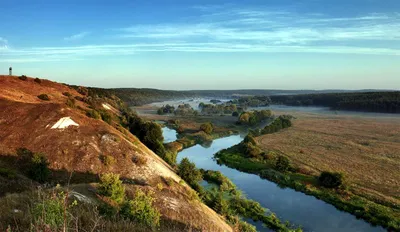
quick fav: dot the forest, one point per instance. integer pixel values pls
(384, 102)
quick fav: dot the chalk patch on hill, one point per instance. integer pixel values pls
(64, 123)
(106, 106)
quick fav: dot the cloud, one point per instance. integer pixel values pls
(228, 29)
(46, 54)
(272, 27)
(77, 36)
(3, 41)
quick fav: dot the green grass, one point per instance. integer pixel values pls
(342, 199)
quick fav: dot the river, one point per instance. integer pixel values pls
(300, 209)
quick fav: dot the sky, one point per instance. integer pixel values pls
(181, 44)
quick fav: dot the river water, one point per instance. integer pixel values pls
(301, 210)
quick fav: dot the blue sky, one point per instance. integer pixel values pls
(276, 44)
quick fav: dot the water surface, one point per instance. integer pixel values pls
(312, 214)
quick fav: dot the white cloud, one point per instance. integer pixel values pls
(227, 29)
(3, 41)
(77, 36)
(273, 27)
(41, 54)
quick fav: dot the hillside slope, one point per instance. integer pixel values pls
(74, 142)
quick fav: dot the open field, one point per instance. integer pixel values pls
(366, 150)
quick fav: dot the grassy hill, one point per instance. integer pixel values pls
(80, 137)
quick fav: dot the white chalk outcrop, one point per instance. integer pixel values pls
(64, 123)
(106, 106)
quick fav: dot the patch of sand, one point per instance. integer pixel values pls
(64, 123)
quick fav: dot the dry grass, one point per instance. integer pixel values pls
(366, 150)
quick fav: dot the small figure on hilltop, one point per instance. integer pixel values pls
(10, 71)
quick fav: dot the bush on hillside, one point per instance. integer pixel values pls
(37, 80)
(44, 97)
(111, 186)
(141, 210)
(82, 90)
(105, 116)
(38, 169)
(23, 78)
(282, 164)
(71, 102)
(67, 94)
(93, 114)
(330, 179)
(107, 160)
(207, 127)
(139, 160)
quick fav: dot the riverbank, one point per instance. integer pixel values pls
(343, 199)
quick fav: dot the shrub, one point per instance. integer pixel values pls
(93, 114)
(37, 80)
(83, 90)
(207, 127)
(70, 102)
(23, 78)
(246, 227)
(51, 211)
(44, 97)
(330, 179)
(111, 186)
(107, 160)
(106, 117)
(282, 164)
(139, 160)
(250, 139)
(8, 173)
(235, 114)
(67, 94)
(39, 170)
(188, 171)
(79, 98)
(141, 210)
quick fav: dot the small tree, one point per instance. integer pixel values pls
(188, 171)
(111, 186)
(141, 209)
(331, 179)
(207, 127)
(282, 164)
(39, 170)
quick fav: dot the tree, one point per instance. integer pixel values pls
(330, 179)
(188, 171)
(282, 164)
(207, 127)
(141, 209)
(39, 170)
(111, 186)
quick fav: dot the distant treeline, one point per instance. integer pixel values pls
(384, 102)
(136, 96)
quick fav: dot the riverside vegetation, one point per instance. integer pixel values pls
(226, 200)
(329, 187)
